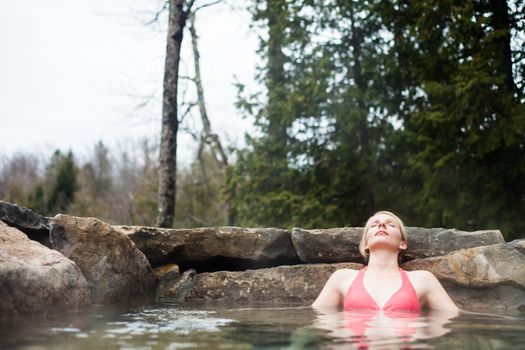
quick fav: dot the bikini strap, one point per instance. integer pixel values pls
(358, 280)
(404, 276)
(406, 281)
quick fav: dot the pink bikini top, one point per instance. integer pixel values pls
(404, 299)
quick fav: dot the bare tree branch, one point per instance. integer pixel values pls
(185, 77)
(155, 19)
(188, 8)
(208, 137)
(203, 167)
(206, 5)
(187, 111)
(520, 58)
(190, 132)
(146, 100)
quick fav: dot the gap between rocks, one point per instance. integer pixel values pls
(220, 263)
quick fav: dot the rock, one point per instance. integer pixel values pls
(175, 290)
(329, 245)
(424, 242)
(166, 276)
(166, 270)
(157, 244)
(116, 271)
(35, 226)
(483, 277)
(298, 284)
(35, 279)
(205, 243)
(342, 244)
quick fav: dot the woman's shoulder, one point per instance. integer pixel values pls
(343, 278)
(346, 271)
(421, 276)
(420, 273)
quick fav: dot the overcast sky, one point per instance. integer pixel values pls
(73, 72)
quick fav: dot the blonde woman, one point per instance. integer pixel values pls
(382, 284)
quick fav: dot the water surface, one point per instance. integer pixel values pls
(199, 326)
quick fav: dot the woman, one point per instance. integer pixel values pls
(382, 284)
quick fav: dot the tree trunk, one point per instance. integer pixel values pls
(208, 136)
(364, 137)
(501, 23)
(170, 122)
(275, 80)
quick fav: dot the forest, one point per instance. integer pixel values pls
(416, 107)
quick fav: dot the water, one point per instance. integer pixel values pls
(171, 326)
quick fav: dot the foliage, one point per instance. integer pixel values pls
(416, 107)
(17, 174)
(55, 191)
(200, 199)
(118, 186)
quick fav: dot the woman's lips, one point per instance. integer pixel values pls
(381, 233)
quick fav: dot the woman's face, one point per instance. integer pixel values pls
(384, 230)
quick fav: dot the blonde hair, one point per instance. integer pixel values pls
(363, 242)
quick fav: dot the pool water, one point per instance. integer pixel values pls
(201, 326)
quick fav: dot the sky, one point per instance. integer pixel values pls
(73, 72)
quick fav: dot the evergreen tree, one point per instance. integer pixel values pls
(60, 182)
(467, 129)
(259, 190)
(415, 107)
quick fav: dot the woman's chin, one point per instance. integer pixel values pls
(383, 247)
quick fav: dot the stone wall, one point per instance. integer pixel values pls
(113, 264)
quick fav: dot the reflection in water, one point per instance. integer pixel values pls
(372, 329)
(166, 321)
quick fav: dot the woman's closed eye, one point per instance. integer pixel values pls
(390, 224)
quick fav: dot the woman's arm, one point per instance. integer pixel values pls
(436, 297)
(331, 295)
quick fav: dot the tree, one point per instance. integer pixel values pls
(258, 186)
(179, 11)
(207, 137)
(322, 124)
(18, 174)
(60, 183)
(22, 182)
(464, 121)
(95, 185)
(199, 198)
(415, 107)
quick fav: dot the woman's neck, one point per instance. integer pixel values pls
(383, 261)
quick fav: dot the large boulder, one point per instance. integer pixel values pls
(117, 272)
(488, 277)
(35, 279)
(328, 245)
(342, 244)
(180, 245)
(429, 242)
(157, 244)
(298, 284)
(35, 226)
